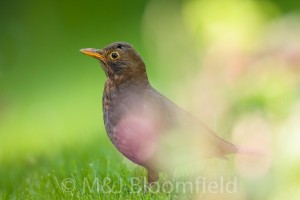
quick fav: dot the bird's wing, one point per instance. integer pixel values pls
(191, 128)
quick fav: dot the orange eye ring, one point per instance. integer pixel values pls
(114, 55)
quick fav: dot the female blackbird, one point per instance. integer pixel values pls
(145, 126)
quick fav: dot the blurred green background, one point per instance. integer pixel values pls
(235, 64)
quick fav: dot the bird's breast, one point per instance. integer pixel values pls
(132, 123)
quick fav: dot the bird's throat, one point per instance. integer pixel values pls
(124, 81)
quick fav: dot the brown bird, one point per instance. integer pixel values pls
(145, 126)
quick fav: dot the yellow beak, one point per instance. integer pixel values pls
(96, 53)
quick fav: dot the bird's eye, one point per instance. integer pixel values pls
(114, 55)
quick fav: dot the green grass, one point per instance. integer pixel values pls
(86, 170)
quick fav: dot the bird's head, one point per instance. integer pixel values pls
(119, 61)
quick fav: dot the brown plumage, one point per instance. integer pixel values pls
(144, 125)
